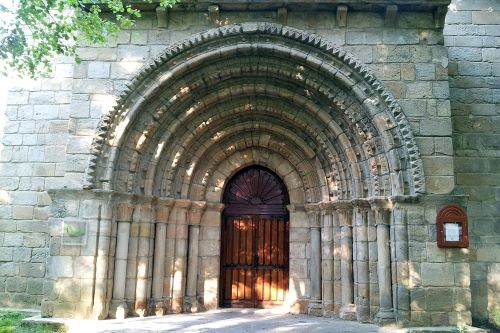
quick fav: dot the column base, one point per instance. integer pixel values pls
(177, 304)
(158, 307)
(348, 312)
(118, 309)
(315, 308)
(385, 317)
(190, 304)
(328, 309)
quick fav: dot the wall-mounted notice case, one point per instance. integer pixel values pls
(452, 229)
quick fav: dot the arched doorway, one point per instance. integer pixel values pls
(331, 132)
(254, 242)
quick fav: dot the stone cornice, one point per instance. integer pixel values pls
(303, 5)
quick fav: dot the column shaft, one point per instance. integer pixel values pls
(327, 263)
(316, 263)
(120, 273)
(348, 309)
(362, 267)
(337, 260)
(192, 272)
(143, 215)
(386, 312)
(100, 308)
(169, 264)
(384, 266)
(159, 262)
(180, 256)
(346, 265)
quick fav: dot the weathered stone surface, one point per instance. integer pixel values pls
(437, 274)
(324, 154)
(59, 266)
(16, 284)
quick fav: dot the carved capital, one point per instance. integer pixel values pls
(314, 215)
(196, 211)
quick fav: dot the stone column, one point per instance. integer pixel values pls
(180, 250)
(399, 263)
(195, 214)
(362, 283)
(382, 212)
(337, 260)
(143, 215)
(169, 260)
(348, 309)
(103, 235)
(313, 213)
(327, 261)
(163, 209)
(373, 264)
(133, 247)
(118, 302)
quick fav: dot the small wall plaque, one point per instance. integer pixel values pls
(452, 228)
(74, 232)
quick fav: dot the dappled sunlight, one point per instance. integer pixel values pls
(141, 269)
(4, 197)
(120, 129)
(300, 74)
(141, 141)
(218, 135)
(190, 170)
(176, 159)
(219, 183)
(102, 103)
(159, 149)
(226, 320)
(204, 124)
(129, 67)
(184, 91)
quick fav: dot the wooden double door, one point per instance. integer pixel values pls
(254, 261)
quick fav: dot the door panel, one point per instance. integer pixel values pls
(254, 261)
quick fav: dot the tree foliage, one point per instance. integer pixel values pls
(32, 32)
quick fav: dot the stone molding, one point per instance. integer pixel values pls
(139, 88)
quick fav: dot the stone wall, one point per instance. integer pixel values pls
(472, 36)
(32, 160)
(436, 277)
(51, 124)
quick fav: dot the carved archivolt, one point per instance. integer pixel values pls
(171, 126)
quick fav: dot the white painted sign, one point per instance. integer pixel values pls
(452, 232)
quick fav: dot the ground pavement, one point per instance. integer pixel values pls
(233, 320)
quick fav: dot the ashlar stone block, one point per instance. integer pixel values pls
(59, 266)
(438, 274)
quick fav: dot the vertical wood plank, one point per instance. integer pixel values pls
(249, 241)
(234, 284)
(241, 284)
(281, 241)
(236, 242)
(259, 285)
(274, 285)
(267, 285)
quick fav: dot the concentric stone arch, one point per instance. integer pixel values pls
(339, 80)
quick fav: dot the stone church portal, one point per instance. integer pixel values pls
(262, 154)
(339, 152)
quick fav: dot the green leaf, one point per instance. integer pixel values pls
(42, 29)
